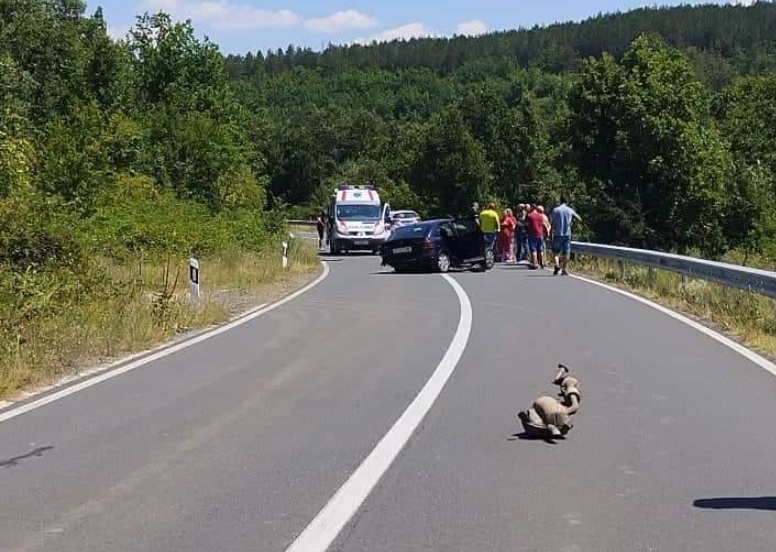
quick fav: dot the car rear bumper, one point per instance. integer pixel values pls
(414, 261)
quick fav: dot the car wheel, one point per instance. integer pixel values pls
(443, 262)
(490, 260)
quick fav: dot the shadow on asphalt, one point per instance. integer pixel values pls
(13, 462)
(526, 437)
(358, 254)
(427, 272)
(737, 503)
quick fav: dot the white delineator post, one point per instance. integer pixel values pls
(194, 278)
(285, 255)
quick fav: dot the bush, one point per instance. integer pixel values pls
(36, 232)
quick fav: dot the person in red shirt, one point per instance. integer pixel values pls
(536, 232)
(507, 236)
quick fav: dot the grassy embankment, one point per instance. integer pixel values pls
(133, 307)
(747, 317)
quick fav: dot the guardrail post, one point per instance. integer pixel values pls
(650, 277)
(194, 279)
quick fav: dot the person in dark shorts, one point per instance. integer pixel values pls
(536, 231)
(562, 219)
(521, 234)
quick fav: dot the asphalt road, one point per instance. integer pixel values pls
(236, 443)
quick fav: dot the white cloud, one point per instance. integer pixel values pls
(223, 14)
(118, 31)
(743, 2)
(405, 32)
(474, 27)
(341, 21)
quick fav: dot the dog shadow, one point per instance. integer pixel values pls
(528, 437)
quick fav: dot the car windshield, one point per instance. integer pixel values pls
(358, 212)
(412, 231)
(405, 216)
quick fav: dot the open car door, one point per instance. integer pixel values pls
(385, 217)
(467, 243)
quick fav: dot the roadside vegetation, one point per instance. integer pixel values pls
(119, 162)
(121, 159)
(745, 316)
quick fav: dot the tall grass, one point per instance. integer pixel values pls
(748, 317)
(137, 305)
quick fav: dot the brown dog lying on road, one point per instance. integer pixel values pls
(548, 417)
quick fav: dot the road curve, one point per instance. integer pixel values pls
(238, 442)
(234, 443)
(673, 425)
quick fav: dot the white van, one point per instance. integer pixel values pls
(357, 220)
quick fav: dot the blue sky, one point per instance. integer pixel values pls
(248, 25)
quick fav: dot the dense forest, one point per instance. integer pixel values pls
(660, 124)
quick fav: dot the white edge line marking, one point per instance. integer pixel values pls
(761, 361)
(110, 374)
(84, 374)
(326, 526)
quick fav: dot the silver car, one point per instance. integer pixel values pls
(403, 218)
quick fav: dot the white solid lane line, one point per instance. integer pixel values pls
(322, 531)
(33, 405)
(761, 361)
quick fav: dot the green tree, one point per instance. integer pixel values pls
(451, 171)
(641, 137)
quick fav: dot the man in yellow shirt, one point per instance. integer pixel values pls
(490, 224)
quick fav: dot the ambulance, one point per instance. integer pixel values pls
(358, 221)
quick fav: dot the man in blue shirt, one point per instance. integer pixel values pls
(562, 218)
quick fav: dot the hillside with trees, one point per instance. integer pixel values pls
(657, 122)
(128, 157)
(117, 163)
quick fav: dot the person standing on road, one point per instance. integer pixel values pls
(490, 224)
(521, 235)
(536, 231)
(321, 226)
(474, 211)
(507, 236)
(547, 226)
(562, 219)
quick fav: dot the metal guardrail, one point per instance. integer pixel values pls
(741, 277)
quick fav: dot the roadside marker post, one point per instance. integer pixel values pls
(285, 255)
(194, 278)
